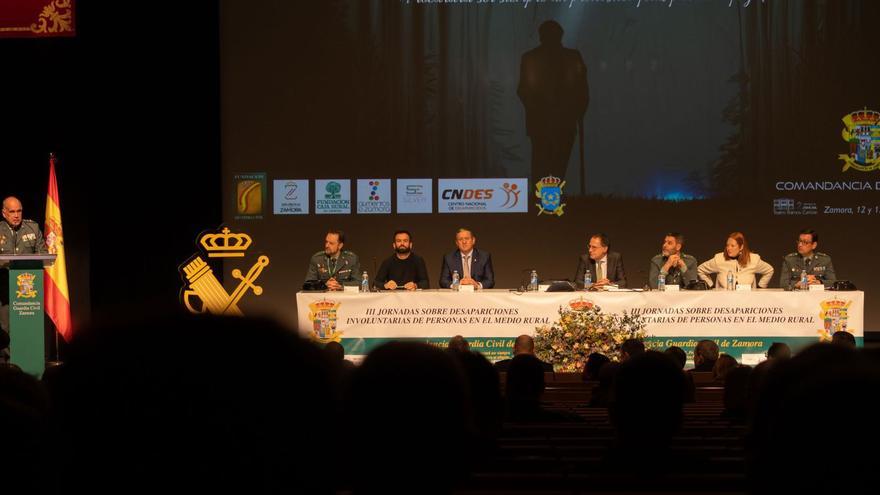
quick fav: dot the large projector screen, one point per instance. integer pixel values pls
(703, 117)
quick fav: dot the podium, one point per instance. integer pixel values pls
(27, 345)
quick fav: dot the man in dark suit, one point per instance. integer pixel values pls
(606, 268)
(524, 344)
(554, 91)
(474, 266)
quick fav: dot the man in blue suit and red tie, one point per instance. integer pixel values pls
(474, 266)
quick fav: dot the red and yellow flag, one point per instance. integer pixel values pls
(57, 296)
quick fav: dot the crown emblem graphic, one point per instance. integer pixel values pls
(226, 244)
(580, 304)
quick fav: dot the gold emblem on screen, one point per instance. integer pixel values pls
(202, 292)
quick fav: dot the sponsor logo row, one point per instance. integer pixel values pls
(374, 196)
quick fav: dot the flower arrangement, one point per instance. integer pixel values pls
(582, 329)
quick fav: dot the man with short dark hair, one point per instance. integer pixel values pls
(606, 268)
(334, 265)
(705, 355)
(404, 269)
(818, 265)
(678, 355)
(630, 349)
(524, 344)
(678, 268)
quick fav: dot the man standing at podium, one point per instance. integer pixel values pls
(17, 236)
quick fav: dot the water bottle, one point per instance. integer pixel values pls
(533, 281)
(456, 280)
(588, 279)
(805, 281)
(730, 283)
(365, 282)
(661, 282)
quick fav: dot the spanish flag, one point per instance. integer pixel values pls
(57, 296)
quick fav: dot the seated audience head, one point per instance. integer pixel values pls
(157, 405)
(485, 393)
(678, 355)
(27, 449)
(524, 344)
(844, 338)
(705, 353)
(648, 397)
(334, 352)
(396, 397)
(722, 367)
(821, 384)
(736, 383)
(458, 344)
(595, 361)
(631, 348)
(779, 350)
(525, 379)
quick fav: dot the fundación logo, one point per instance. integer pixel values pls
(332, 196)
(250, 195)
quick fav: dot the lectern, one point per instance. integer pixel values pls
(27, 345)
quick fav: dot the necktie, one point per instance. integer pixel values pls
(466, 269)
(332, 265)
(600, 270)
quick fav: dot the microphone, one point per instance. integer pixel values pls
(373, 287)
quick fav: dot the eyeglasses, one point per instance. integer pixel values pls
(801, 241)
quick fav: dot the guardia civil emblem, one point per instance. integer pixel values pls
(202, 292)
(322, 314)
(25, 283)
(862, 132)
(834, 314)
(549, 191)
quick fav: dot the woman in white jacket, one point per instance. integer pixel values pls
(739, 260)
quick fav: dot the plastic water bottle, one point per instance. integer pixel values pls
(533, 281)
(588, 279)
(661, 282)
(805, 281)
(365, 282)
(730, 283)
(456, 280)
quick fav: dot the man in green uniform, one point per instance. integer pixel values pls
(335, 266)
(817, 265)
(17, 236)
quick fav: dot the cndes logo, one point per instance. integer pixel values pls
(482, 196)
(466, 194)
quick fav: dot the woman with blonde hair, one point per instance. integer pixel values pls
(738, 260)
